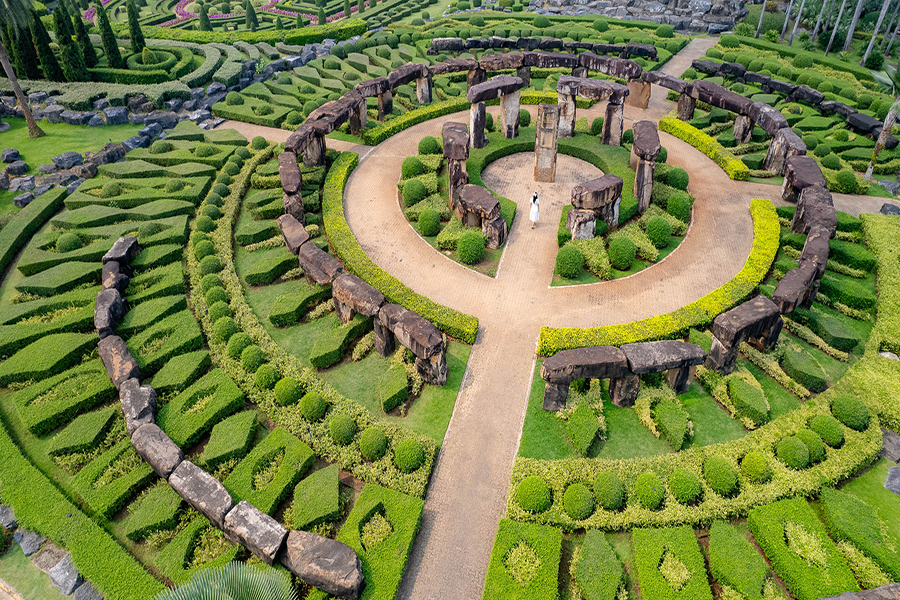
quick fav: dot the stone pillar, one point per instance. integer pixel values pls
(743, 129)
(509, 114)
(612, 125)
(455, 137)
(579, 72)
(785, 143)
(358, 118)
(474, 77)
(385, 343)
(721, 358)
(434, 369)
(567, 107)
(638, 94)
(686, 106)
(623, 391)
(385, 104)
(458, 177)
(343, 311)
(423, 90)
(314, 153)
(495, 231)
(581, 223)
(643, 183)
(547, 123)
(555, 396)
(477, 117)
(679, 379)
(524, 73)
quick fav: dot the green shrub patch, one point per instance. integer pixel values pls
(393, 388)
(108, 482)
(670, 564)
(735, 563)
(524, 562)
(330, 345)
(84, 432)
(95, 216)
(317, 498)
(193, 412)
(269, 267)
(61, 278)
(848, 291)
(288, 309)
(162, 281)
(851, 411)
(804, 369)
(175, 560)
(599, 573)
(230, 438)
(157, 256)
(266, 476)
(673, 421)
(43, 307)
(15, 337)
(146, 314)
(183, 152)
(180, 371)
(255, 232)
(852, 254)
(849, 519)
(47, 356)
(799, 549)
(154, 511)
(154, 346)
(749, 400)
(582, 428)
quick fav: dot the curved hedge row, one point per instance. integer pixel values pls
(452, 322)
(733, 167)
(339, 30)
(26, 222)
(699, 313)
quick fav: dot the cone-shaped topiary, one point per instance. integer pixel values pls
(49, 64)
(108, 39)
(26, 58)
(84, 41)
(134, 27)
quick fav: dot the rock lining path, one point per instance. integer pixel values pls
(468, 491)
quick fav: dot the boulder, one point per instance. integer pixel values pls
(603, 48)
(495, 231)
(70, 188)
(28, 541)
(53, 114)
(815, 208)
(289, 172)
(166, 119)
(581, 223)
(86, 591)
(794, 289)
(17, 167)
(528, 43)
(706, 66)
(477, 200)
(732, 69)
(293, 232)
(151, 130)
(816, 249)
(157, 449)
(138, 404)
(863, 123)
(8, 518)
(9, 155)
(890, 209)
(353, 295)
(781, 87)
(123, 251)
(646, 140)
(447, 45)
(108, 309)
(23, 200)
(785, 144)
(318, 266)
(75, 117)
(4, 181)
(262, 535)
(116, 115)
(120, 365)
(496, 87)
(804, 93)
(202, 491)
(829, 107)
(655, 357)
(327, 564)
(756, 78)
(642, 50)
(22, 184)
(64, 576)
(768, 118)
(800, 172)
(549, 43)
(455, 140)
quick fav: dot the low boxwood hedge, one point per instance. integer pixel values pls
(656, 549)
(509, 579)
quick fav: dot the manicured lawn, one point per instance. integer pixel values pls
(626, 436)
(780, 400)
(543, 434)
(60, 138)
(27, 580)
(712, 424)
(869, 487)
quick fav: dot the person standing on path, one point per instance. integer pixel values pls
(535, 213)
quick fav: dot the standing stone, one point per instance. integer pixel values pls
(314, 152)
(555, 396)
(800, 172)
(743, 129)
(623, 391)
(358, 118)
(612, 125)
(477, 120)
(385, 104)
(784, 144)
(567, 112)
(546, 142)
(495, 231)
(524, 73)
(384, 338)
(686, 106)
(509, 114)
(581, 223)
(638, 94)
(456, 150)
(474, 77)
(423, 89)
(644, 151)
(602, 196)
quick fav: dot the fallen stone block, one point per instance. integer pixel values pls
(157, 449)
(327, 564)
(202, 491)
(253, 529)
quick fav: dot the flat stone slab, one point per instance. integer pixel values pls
(801, 172)
(48, 557)
(768, 118)
(412, 330)
(123, 251)
(597, 193)
(255, 530)
(663, 80)
(456, 140)
(499, 62)
(318, 265)
(65, 577)
(120, 365)
(138, 404)
(406, 74)
(893, 480)
(293, 232)
(745, 320)
(373, 87)
(324, 563)
(609, 65)
(593, 89)
(157, 449)
(453, 65)
(646, 140)
(498, 86)
(719, 96)
(475, 199)
(863, 122)
(594, 362)
(655, 357)
(352, 291)
(202, 491)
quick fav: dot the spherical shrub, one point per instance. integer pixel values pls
(662, 156)
(429, 145)
(205, 150)
(649, 490)
(524, 118)
(213, 212)
(237, 343)
(755, 467)
(729, 41)
(667, 31)
(216, 294)
(429, 222)
(684, 485)
(224, 179)
(609, 490)
(409, 455)
(720, 475)
(214, 200)
(829, 429)
(793, 452)
(678, 178)
(412, 167)
(231, 169)
(621, 253)
(313, 407)
(258, 143)
(659, 231)
(826, 87)
(814, 445)
(265, 109)
(252, 358)
(846, 182)
(210, 281)
(218, 310)
(841, 135)
(233, 99)
(811, 141)
(578, 501)
(851, 411)
(160, 147)
(203, 249)
(210, 264)
(288, 391)
(110, 189)
(224, 329)
(832, 162)
(803, 61)
(865, 101)
(822, 149)
(597, 126)
(342, 429)
(243, 153)
(542, 21)
(470, 247)
(569, 262)
(413, 192)
(373, 443)
(679, 206)
(266, 376)
(221, 190)
(205, 224)
(628, 136)
(533, 494)
(68, 242)
(174, 185)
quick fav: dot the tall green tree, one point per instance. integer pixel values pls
(108, 39)
(70, 57)
(49, 64)
(300, 21)
(27, 65)
(134, 27)
(279, 25)
(321, 16)
(205, 25)
(250, 17)
(360, 6)
(84, 40)
(17, 15)
(63, 21)
(346, 9)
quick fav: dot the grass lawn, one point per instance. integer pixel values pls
(869, 487)
(712, 424)
(27, 580)
(780, 400)
(60, 138)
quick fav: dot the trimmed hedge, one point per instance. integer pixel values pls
(317, 498)
(734, 561)
(582, 428)
(216, 395)
(156, 510)
(180, 371)
(849, 519)
(230, 438)
(50, 355)
(26, 222)
(653, 548)
(393, 388)
(330, 346)
(733, 167)
(107, 498)
(504, 582)
(599, 573)
(174, 335)
(83, 433)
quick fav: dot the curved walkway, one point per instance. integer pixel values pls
(467, 496)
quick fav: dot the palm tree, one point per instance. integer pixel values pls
(884, 8)
(16, 15)
(762, 13)
(786, 19)
(887, 50)
(796, 22)
(825, 5)
(849, 39)
(890, 83)
(234, 581)
(836, 25)
(890, 27)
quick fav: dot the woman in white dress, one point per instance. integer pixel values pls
(535, 213)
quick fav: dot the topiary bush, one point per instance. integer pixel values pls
(851, 411)
(628, 136)
(412, 167)
(679, 206)
(792, 452)
(237, 343)
(678, 178)
(621, 253)
(224, 328)
(218, 310)
(110, 189)
(429, 222)
(160, 147)
(684, 485)
(266, 376)
(202, 249)
(829, 429)
(68, 242)
(524, 118)
(409, 455)
(287, 391)
(252, 358)
(832, 162)
(342, 430)
(470, 247)
(373, 443)
(205, 224)
(649, 490)
(429, 145)
(755, 467)
(667, 31)
(533, 494)
(597, 126)
(413, 192)
(578, 501)
(720, 475)
(541, 21)
(846, 182)
(569, 262)
(814, 445)
(234, 99)
(659, 231)
(257, 143)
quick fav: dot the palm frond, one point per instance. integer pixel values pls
(234, 581)
(16, 14)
